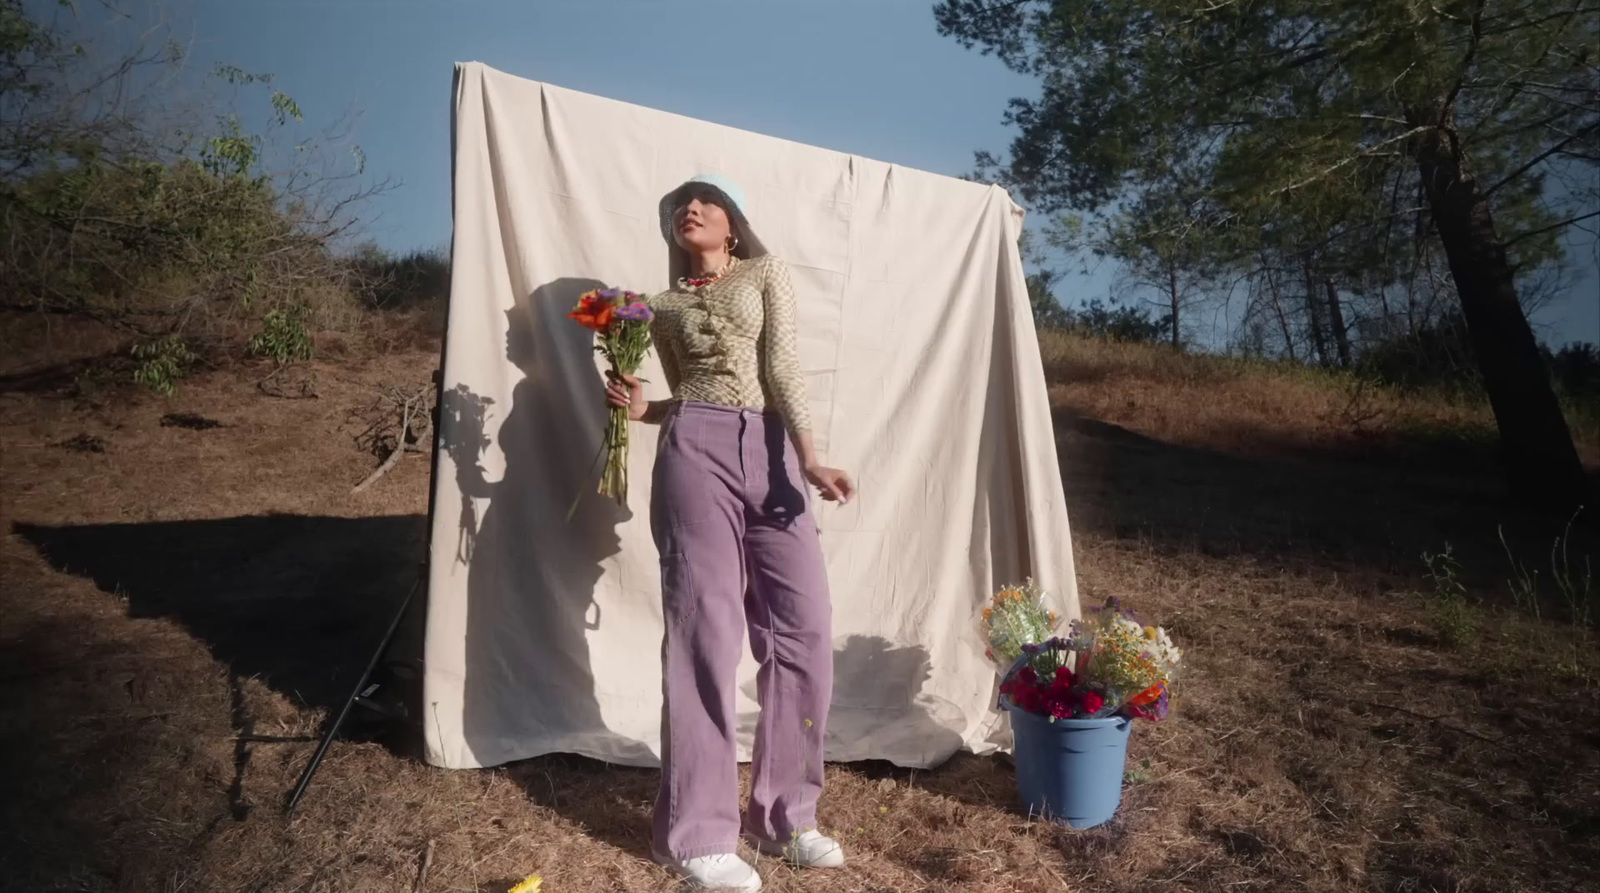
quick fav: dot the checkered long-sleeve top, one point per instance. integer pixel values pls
(732, 342)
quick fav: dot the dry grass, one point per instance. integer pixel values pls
(181, 609)
(44, 353)
(1251, 407)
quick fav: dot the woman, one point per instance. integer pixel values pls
(732, 520)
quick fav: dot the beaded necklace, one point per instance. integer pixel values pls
(703, 281)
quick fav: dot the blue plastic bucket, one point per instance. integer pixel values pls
(1070, 770)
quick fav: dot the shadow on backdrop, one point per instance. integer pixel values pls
(531, 576)
(892, 713)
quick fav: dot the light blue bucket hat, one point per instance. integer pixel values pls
(731, 197)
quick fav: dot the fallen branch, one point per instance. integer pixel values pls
(427, 863)
(410, 406)
(305, 388)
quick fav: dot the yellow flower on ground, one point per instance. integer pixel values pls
(1150, 633)
(530, 885)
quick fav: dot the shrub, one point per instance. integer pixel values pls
(161, 362)
(283, 337)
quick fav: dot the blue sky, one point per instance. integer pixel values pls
(870, 77)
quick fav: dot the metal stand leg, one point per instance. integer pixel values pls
(394, 625)
(355, 693)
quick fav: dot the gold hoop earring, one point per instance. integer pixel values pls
(732, 244)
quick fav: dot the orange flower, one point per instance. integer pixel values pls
(593, 312)
(1148, 696)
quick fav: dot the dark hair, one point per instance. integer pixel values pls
(711, 195)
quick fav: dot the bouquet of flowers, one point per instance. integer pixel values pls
(620, 321)
(1015, 616)
(1108, 664)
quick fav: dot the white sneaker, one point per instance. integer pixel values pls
(808, 849)
(722, 871)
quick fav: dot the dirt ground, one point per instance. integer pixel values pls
(181, 606)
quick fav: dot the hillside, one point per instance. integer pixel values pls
(183, 603)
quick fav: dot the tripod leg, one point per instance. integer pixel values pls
(344, 712)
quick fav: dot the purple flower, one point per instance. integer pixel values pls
(1032, 649)
(610, 294)
(635, 312)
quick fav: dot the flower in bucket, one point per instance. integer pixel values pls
(620, 321)
(1014, 617)
(1109, 664)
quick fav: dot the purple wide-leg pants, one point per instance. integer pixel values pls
(731, 517)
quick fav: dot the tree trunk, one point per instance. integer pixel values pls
(1283, 318)
(1536, 445)
(1172, 290)
(1419, 258)
(1314, 310)
(1378, 286)
(1341, 336)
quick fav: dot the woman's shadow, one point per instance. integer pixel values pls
(532, 571)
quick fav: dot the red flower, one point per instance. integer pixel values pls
(1092, 702)
(1064, 676)
(1028, 677)
(1034, 700)
(593, 312)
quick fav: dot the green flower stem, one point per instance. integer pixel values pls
(625, 347)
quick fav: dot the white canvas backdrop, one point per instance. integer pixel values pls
(918, 347)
